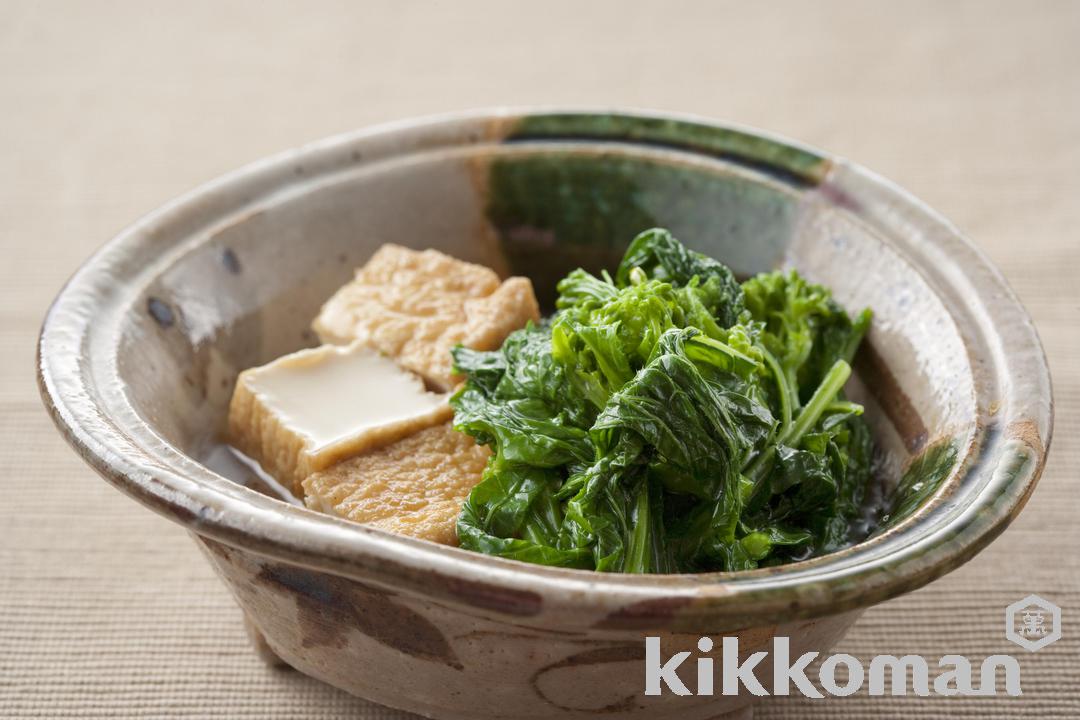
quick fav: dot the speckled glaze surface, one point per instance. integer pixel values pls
(138, 355)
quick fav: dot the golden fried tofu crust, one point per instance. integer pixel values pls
(415, 486)
(489, 320)
(414, 306)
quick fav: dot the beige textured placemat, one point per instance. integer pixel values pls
(109, 109)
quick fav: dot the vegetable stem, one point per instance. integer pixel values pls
(858, 332)
(783, 388)
(808, 417)
(637, 553)
(834, 380)
(737, 360)
(757, 469)
(845, 406)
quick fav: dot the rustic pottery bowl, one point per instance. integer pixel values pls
(139, 353)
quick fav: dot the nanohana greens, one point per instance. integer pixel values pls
(668, 419)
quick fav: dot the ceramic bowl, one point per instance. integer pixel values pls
(138, 355)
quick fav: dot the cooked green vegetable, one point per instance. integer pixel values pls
(668, 419)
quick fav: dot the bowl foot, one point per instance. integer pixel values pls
(261, 647)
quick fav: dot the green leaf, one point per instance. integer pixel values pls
(663, 257)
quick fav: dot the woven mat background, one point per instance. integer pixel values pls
(109, 109)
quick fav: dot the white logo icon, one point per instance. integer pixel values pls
(1033, 623)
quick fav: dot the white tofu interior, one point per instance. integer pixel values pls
(331, 395)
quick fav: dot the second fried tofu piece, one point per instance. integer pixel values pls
(414, 306)
(415, 486)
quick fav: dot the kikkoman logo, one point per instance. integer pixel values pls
(953, 674)
(1025, 623)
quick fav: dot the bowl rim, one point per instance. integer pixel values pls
(73, 370)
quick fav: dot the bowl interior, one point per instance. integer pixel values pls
(242, 288)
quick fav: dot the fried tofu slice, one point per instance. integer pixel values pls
(414, 306)
(414, 487)
(309, 410)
